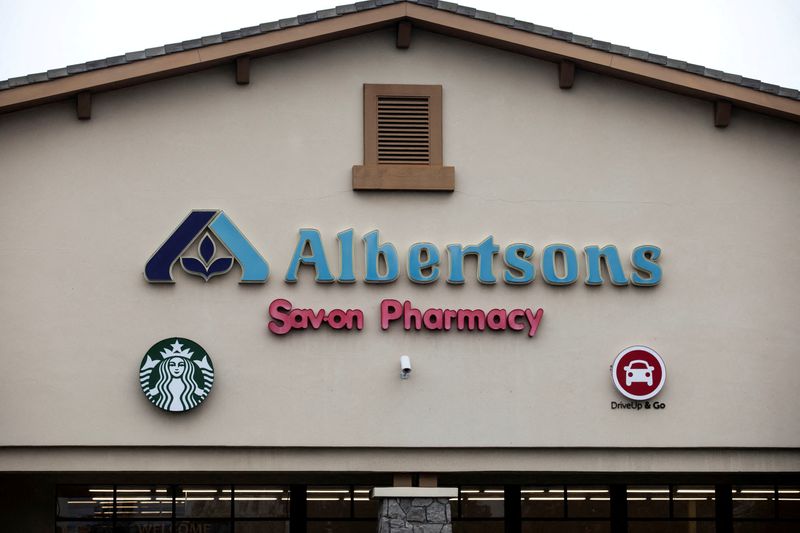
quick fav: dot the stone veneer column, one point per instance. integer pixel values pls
(414, 509)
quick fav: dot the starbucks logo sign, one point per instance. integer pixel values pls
(176, 374)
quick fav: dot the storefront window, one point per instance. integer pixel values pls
(328, 502)
(482, 502)
(262, 527)
(261, 502)
(340, 509)
(363, 505)
(753, 502)
(565, 509)
(142, 526)
(340, 527)
(565, 502)
(477, 526)
(572, 526)
(478, 509)
(789, 502)
(200, 527)
(133, 502)
(693, 501)
(765, 527)
(85, 501)
(543, 502)
(172, 509)
(349, 508)
(203, 502)
(766, 509)
(671, 509)
(672, 526)
(84, 527)
(588, 502)
(648, 502)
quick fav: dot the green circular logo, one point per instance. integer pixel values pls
(176, 374)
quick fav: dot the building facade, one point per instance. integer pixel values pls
(284, 211)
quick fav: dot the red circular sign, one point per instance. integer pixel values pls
(638, 372)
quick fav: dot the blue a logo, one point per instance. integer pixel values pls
(208, 263)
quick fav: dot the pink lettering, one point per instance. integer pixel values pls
(390, 310)
(337, 319)
(449, 315)
(298, 318)
(436, 319)
(496, 319)
(280, 319)
(433, 319)
(285, 318)
(471, 319)
(355, 319)
(513, 315)
(316, 319)
(409, 313)
(534, 320)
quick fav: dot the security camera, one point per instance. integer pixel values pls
(405, 366)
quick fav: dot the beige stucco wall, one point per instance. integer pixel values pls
(83, 205)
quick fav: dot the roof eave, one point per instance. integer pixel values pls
(506, 37)
(200, 58)
(603, 62)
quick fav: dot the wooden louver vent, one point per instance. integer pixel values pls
(403, 140)
(404, 130)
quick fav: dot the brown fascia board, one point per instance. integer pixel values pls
(599, 61)
(199, 58)
(439, 21)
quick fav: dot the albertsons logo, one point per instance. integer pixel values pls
(207, 260)
(176, 374)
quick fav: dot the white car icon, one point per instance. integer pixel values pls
(643, 373)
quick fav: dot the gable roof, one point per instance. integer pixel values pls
(441, 17)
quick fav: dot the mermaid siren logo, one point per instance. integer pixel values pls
(176, 374)
(206, 226)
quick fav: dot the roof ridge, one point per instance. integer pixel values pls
(308, 18)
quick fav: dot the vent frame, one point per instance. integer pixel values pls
(411, 170)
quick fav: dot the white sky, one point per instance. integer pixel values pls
(755, 38)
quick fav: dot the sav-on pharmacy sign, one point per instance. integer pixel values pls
(558, 263)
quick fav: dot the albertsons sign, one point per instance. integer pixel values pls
(207, 244)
